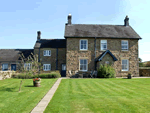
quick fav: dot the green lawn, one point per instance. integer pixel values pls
(101, 96)
(12, 101)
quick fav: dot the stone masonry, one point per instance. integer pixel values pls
(73, 54)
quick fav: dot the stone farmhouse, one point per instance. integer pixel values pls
(84, 48)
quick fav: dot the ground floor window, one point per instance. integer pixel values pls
(125, 65)
(46, 67)
(83, 64)
(5, 67)
(27, 66)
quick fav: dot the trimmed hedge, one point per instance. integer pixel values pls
(106, 71)
(42, 75)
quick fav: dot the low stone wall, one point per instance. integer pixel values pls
(144, 71)
(9, 74)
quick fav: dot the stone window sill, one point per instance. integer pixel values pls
(124, 71)
(83, 50)
(124, 50)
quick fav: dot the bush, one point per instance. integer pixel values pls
(106, 71)
(141, 65)
(50, 75)
(42, 75)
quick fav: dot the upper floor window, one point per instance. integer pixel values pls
(125, 65)
(5, 67)
(83, 64)
(84, 44)
(47, 52)
(27, 66)
(103, 44)
(46, 67)
(124, 44)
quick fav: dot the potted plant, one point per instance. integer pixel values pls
(36, 82)
(129, 75)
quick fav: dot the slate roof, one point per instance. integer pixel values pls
(51, 43)
(13, 54)
(100, 31)
(103, 54)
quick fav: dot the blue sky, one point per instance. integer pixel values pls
(20, 20)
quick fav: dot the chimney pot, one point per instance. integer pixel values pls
(38, 35)
(69, 18)
(126, 21)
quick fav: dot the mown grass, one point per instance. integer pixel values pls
(101, 96)
(12, 101)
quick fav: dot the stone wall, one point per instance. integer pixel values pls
(114, 45)
(144, 71)
(52, 59)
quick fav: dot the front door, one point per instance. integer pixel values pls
(63, 70)
(13, 67)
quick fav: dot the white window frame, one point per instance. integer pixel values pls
(4, 65)
(124, 49)
(83, 44)
(124, 64)
(107, 62)
(27, 66)
(102, 42)
(83, 64)
(47, 52)
(45, 67)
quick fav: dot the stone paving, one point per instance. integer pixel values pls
(41, 106)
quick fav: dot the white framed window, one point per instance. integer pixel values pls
(106, 62)
(27, 66)
(63, 66)
(103, 44)
(125, 65)
(47, 52)
(83, 44)
(46, 67)
(124, 44)
(83, 64)
(5, 67)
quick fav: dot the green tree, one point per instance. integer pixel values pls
(140, 60)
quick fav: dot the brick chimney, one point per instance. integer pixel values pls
(38, 35)
(69, 18)
(126, 21)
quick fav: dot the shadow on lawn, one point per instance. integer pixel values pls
(29, 86)
(7, 89)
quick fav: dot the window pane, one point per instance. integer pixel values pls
(125, 67)
(104, 46)
(81, 67)
(84, 46)
(122, 66)
(81, 46)
(84, 42)
(84, 67)
(85, 61)
(81, 61)
(124, 42)
(49, 52)
(81, 42)
(103, 41)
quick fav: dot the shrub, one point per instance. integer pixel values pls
(42, 75)
(50, 75)
(141, 65)
(106, 71)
